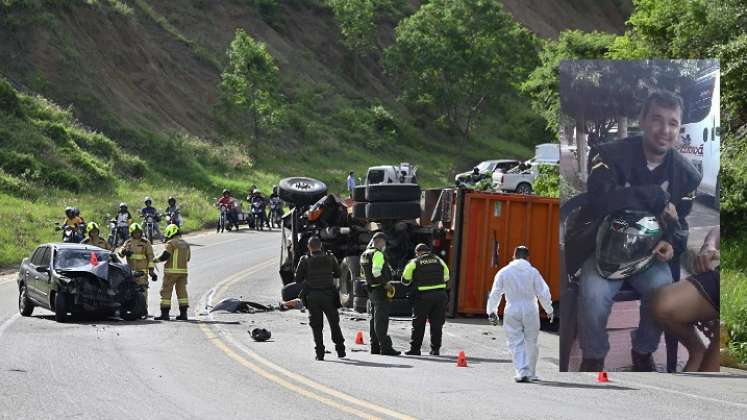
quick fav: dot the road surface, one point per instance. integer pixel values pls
(210, 368)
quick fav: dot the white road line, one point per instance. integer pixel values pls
(5, 325)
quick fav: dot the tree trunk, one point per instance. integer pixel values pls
(622, 127)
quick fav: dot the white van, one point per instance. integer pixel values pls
(700, 134)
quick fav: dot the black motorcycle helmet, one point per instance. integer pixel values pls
(76, 211)
(69, 212)
(261, 334)
(172, 201)
(625, 243)
(122, 207)
(476, 170)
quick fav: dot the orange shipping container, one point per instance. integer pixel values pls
(492, 225)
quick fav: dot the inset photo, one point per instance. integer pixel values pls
(639, 218)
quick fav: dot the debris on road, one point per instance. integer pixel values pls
(237, 305)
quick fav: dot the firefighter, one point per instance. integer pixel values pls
(316, 272)
(176, 255)
(428, 275)
(378, 282)
(92, 230)
(139, 254)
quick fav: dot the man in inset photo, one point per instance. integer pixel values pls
(640, 189)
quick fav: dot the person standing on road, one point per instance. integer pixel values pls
(523, 285)
(139, 254)
(428, 275)
(351, 184)
(316, 272)
(176, 255)
(378, 282)
(92, 230)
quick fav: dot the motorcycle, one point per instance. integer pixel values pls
(276, 212)
(70, 234)
(258, 214)
(173, 218)
(223, 222)
(118, 233)
(149, 227)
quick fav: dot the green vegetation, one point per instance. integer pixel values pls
(547, 183)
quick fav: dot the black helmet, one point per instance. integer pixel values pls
(421, 247)
(476, 170)
(172, 200)
(76, 211)
(261, 334)
(625, 243)
(122, 206)
(69, 212)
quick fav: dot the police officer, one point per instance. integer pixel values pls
(176, 255)
(315, 272)
(428, 276)
(92, 230)
(139, 254)
(378, 282)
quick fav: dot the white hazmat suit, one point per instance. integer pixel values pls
(523, 285)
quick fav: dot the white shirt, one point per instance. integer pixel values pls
(521, 283)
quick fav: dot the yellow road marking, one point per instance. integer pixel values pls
(217, 341)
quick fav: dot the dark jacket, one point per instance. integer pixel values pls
(317, 271)
(619, 179)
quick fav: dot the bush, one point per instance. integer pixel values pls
(57, 132)
(130, 166)
(9, 102)
(547, 183)
(63, 179)
(95, 143)
(17, 164)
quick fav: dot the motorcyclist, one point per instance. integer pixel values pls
(123, 219)
(276, 205)
(173, 211)
(227, 200)
(92, 230)
(75, 222)
(257, 197)
(149, 210)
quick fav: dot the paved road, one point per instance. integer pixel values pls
(209, 368)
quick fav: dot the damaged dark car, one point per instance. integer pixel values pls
(75, 279)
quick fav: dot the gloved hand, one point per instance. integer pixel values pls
(153, 276)
(551, 317)
(494, 319)
(127, 253)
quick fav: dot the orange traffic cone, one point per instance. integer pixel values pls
(359, 337)
(461, 360)
(602, 377)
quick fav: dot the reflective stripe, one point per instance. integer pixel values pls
(183, 300)
(166, 302)
(374, 285)
(175, 259)
(137, 257)
(175, 270)
(434, 287)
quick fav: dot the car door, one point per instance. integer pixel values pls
(44, 280)
(30, 274)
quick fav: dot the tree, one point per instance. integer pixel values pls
(356, 21)
(456, 57)
(250, 82)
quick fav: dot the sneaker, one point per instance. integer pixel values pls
(642, 362)
(519, 379)
(413, 352)
(534, 378)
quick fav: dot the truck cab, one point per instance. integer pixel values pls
(404, 173)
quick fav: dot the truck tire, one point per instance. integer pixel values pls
(400, 210)
(359, 193)
(360, 304)
(359, 211)
(347, 284)
(291, 291)
(392, 192)
(301, 191)
(62, 305)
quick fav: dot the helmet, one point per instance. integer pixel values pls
(170, 231)
(421, 247)
(91, 226)
(135, 227)
(172, 200)
(625, 241)
(148, 200)
(69, 212)
(225, 191)
(379, 235)
(76, 211)
(261, 334)
(476, 170)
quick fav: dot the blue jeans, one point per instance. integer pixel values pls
(595, 303)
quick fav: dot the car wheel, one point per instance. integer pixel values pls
(25, 307)
(62, 307)
(524, 188)
(392, 192)
(402, 210)
(301, 191)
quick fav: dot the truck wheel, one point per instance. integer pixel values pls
(392, 192)
(359, 211)
(359, 193)
(62, 306)
(524, 188)
(25, 307)
(301, 191)
(401, 210)
(360, 305)
(346, 286)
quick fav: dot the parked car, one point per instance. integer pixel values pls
(488, 167)
(69, 279)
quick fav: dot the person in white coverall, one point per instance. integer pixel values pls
(523, 285)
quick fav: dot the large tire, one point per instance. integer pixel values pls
(359, 193)
(134, 309)
(347, 281)
(392, 192)
(359, 211)
(25, 307)
(291, 291)
(301, 191)
(62, 305)
(402, 210)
